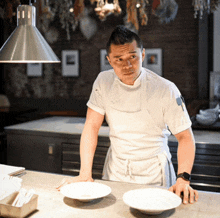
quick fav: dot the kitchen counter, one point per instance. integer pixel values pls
(63, 125)
(52, 145)
(52, 204)
(74, 125)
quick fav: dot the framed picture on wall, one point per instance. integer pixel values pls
(34, 69)
(104, 64)
(153, 60)
(70, 63)
(214, 91)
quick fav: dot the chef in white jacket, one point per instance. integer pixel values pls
(142, 109)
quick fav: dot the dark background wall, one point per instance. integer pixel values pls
(52, 91)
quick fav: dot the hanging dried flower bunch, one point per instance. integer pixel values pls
(45, 14)
(204, 5)
(44, 9)
(143, 14)
(78, 8)
(8, 9)
(69, 14)
(165, 10)
(132, 12)
(214, 5)
(103, 8)
(68, 19)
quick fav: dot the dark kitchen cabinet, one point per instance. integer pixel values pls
(71, 158)
(51, 153)
(3, 148)
(43, 145)
(35, 152)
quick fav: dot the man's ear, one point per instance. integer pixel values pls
(143, 54)
(108, 59)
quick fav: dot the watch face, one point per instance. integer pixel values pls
(184, 175)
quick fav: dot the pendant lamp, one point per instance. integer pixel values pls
(26, 44)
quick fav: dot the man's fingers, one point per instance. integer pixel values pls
(66, 181)
(178, 191)
(192, 196)
(62, 183)
(186, 194)
(171, 189)
(196, 195)
(189, 194)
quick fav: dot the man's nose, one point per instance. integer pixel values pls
(127, 64)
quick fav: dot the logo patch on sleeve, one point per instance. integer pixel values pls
(179, 101)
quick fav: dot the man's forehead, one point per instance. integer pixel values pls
(119, 55)
(125, 48)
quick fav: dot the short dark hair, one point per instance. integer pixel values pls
(122, 35)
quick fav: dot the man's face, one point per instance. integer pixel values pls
(126, 61)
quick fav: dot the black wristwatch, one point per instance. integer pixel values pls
(184, 175)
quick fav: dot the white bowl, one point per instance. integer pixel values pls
(152, 200)
(85, 191)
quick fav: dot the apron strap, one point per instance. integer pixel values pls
(169, 175)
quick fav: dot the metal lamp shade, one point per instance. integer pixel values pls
(26, 44)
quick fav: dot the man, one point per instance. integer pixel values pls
(141, 109)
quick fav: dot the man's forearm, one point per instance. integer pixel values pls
(88, 144)
(186, 152)
(186, 156)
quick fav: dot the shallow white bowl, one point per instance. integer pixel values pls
(151, 200)
(85, 191)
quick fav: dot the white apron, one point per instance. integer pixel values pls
(139, 152)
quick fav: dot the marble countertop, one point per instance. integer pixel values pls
(56, 124)
(74, 125)
(52, 204)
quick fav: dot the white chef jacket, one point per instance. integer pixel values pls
(140, 118)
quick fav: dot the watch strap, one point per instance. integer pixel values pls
(184, 175)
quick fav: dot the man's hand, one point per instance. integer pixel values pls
(189, 194)
(74, 179)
